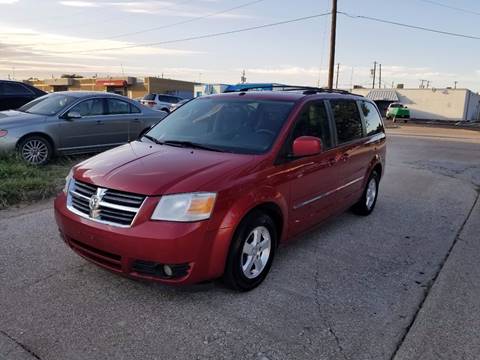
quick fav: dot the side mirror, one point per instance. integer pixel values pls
(73, 115)
(306, 146)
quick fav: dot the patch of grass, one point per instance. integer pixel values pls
(20, 182)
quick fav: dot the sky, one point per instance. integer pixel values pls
(50, 37)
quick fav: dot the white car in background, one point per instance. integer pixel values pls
(161, 102)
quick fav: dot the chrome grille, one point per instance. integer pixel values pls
(103, 205)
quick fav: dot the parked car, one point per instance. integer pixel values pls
(161, 102)
(397, 111)
(73, 122)
(14, 94)
(213, 189)
(174, 107)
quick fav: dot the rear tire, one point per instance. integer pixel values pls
(251, 252)
(367, 202)
(35, 150)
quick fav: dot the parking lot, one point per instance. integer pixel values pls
(401, 283)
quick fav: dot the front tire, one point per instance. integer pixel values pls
(35, 150)
(251, 252)
(369, 197)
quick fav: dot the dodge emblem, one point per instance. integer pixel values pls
(94, 203)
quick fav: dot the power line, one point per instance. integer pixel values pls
(473, 37)
(117, 17)
(159, 27)
(184, 21)
(251, 28)
(451, 7)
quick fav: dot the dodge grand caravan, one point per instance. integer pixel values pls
(213, 190)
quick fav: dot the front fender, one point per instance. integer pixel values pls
(232, 212)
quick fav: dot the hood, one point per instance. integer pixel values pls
(14, 117)
(151, 169)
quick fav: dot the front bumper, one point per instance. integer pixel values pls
(8, 143)
(121, 249)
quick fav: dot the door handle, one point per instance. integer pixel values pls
(136, 120)
(100, 122)
(331, 161)
(345, 157)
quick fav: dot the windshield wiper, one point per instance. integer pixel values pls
(193, 145)
(151, 138)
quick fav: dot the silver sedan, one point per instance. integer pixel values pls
(72, 123)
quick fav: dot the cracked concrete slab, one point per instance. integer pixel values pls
(10, 349)
(448, 324)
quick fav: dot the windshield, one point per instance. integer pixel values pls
(50, 104)
(245, 126)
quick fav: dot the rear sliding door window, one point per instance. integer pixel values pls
(373, 123)
(347, 120)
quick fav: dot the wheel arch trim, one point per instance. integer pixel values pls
(37, 133)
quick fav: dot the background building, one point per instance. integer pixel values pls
(209, 89)
(125, 85)
(429, 104)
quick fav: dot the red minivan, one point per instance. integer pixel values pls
(213, 189)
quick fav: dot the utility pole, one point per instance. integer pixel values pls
(333, 36)
(243, 78)
(455, 87)
(338, 71)
(374, 72)
(351, 78)
(379, 76)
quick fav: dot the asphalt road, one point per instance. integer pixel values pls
(402, 283)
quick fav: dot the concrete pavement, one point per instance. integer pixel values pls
(448, 322)
(355, 288)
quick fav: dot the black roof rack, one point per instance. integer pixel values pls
(307, 90)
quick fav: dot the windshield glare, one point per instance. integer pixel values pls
(50, 104)
(246, 126)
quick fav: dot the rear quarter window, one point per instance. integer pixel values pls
(134, 109)
(347, 120)
(373, 122)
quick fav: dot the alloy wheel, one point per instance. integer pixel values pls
(256, 252)
(371, 193)
(35, 151)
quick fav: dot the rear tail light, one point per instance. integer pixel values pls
(151, 103)
(3, 133)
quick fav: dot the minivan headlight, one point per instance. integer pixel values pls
(67, 181)
(185, 207)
